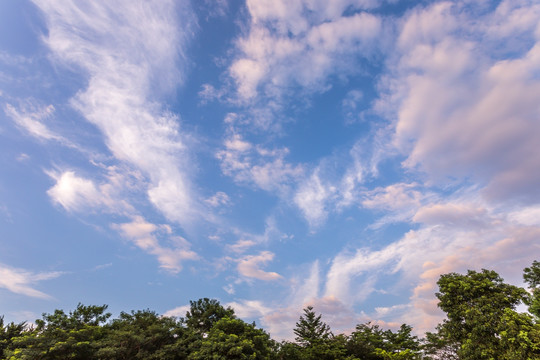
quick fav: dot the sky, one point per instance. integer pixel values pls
(271, 154)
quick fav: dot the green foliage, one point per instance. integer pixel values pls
(481, 324)
(315, 338)
(475, 305)
(310, 329)
(8, 333)
(63, 336)
(231, 338)
(531, 275)
(204, 313)
(369, 342)
(519, 337)
(142, 335)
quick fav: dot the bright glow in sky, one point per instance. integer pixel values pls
(271, 154)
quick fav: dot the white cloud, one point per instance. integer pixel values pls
(146, 235)
(465, 104)
(179, 311)
(256, 165)
(31, 118)
(312, 197)
(111, 43)
(249, 308)
(249, 266)
(452, 214)
(241, 245)
(218, 199)
(301, 43)
(76, 193)
(393, 197)
(20, 281)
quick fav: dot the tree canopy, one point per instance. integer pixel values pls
(481, 323)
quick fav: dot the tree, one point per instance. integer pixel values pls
(531, 275)
(204, 313)
(369, 342)
(63, 336)
(8, 333)
(142, 335)
(310, 329)
(231, 338)
(475, 305)
(519, 337)
(316, 339)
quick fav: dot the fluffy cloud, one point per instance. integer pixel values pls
(20, 281)
(256, 165)
(110, 44)
(465, 105)
(249, 266)
(76, 193)
(301, 43)
(145, 236)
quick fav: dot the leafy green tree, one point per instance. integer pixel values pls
(63, 336)
(369, 342)
(475, 305)
(531, 275)
(519, 337)
(204, 313)
(8, 333)
(364, 340)
(290, 351)
(231, 338)
(142, 335)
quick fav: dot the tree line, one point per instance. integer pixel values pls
(481, 324)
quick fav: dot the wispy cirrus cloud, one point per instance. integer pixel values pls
(30, 117)
(20, 281)
(111, 45)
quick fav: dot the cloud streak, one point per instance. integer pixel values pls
(131, 55)
(20, 281)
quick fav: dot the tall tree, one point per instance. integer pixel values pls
(310, 329)
(315, 338)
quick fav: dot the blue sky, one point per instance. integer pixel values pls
(269, 154)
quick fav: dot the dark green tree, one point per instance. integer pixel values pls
(8, 333)
(143, 335)
(369, 342)
(204, 313)
(63, 336)
(315, 338)
(231, 338)
(310, 329)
